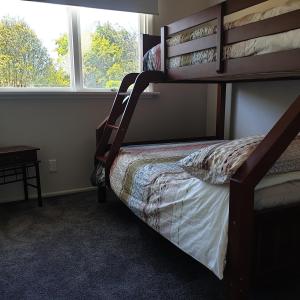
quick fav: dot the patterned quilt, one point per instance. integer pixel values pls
(147, 163)
(175, 204)
(188, 212)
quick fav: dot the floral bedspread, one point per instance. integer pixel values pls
(188, 212)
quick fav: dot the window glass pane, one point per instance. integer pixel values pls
(33, 45)
(110, 48)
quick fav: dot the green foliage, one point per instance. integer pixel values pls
(24, 61)
(112, 54)
(63, 60)
(62, 45)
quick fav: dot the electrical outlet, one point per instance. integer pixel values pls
(52, 165)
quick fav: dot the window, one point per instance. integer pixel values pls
(109, 44)
(30, 45)
(54, 46)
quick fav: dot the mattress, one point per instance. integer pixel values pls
(262, 45)
(190, 213)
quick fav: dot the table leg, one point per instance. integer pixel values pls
(38, 184)
(24, 170)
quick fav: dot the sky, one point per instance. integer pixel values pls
(49, 21)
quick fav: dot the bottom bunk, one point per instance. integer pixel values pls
(194, 214)
(239, 177)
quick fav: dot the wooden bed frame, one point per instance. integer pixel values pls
(257, 240)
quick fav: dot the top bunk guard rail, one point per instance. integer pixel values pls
(211, 41)
(285, 22)
(275, 65)
(202, 17)
(234, 6)
(210, 14)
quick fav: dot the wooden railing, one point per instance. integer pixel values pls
(278, 24)
(283, 64)
(211, 41)
(241, 205)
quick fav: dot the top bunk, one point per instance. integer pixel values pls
(249, 40)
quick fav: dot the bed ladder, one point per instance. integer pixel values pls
(122, 110)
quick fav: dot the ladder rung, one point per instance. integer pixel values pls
(125, 99)
(112, 126)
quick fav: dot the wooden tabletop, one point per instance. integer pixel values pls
(14, 149)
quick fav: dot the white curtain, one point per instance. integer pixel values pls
(139, 6)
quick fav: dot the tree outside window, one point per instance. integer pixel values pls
(37, 54)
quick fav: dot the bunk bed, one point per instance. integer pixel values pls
(257, 239)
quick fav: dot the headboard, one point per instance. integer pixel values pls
(148, 41)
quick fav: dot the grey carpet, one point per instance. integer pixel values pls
(75, 248)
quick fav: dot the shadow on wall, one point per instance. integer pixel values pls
(257, 106)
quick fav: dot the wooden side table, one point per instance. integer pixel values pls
(17, 164)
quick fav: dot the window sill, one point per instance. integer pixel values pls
(66, 95)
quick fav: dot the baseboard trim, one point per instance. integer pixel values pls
(69, 192)
(56, 194)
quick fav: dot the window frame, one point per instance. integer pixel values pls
(145, 26)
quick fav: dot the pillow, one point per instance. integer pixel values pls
(217, 163)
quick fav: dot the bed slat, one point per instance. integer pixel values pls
(192, 46)
(220, 38)
(192, 72)
(236, 5)
(164, 49)
(284, 65)
(220, 116)
(283, 61)
(282, 23)
(193, 20)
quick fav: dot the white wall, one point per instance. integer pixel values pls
(63, 125)
(257, 106)
(172, 10)
(64, 128)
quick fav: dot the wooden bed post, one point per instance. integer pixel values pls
(241, 205)
(220, 38)
(220, 118)
(221, 97)
(240, 241)
(101, 194)
(163, 45)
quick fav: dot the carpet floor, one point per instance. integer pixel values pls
(75, 248)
